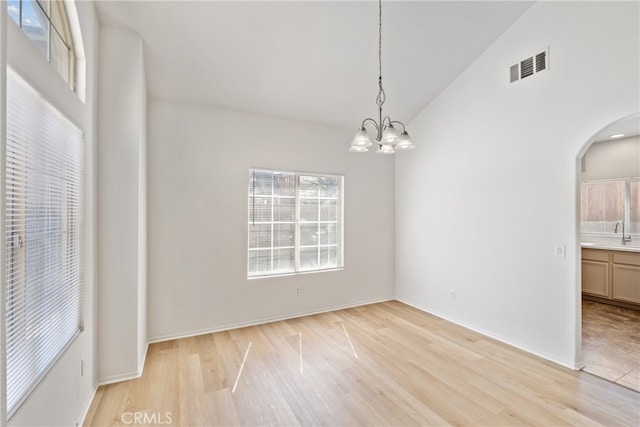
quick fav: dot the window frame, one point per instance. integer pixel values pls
(297, 246)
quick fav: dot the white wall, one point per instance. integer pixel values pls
(122, 337)
(65, 394)
(492, 187)
(199, 160)
(616, 159)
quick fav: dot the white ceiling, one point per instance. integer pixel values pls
(310, 61)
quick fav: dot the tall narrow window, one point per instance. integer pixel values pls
(43, 209)
(295, 222)
(45, 22)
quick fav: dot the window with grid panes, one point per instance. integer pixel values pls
(295, 222)
(45, 22)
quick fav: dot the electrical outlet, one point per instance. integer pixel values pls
(297, 291)
(452, 294)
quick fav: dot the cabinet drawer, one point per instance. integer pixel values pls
(630, 258)
(595, 255)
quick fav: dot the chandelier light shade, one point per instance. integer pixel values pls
(387, 137)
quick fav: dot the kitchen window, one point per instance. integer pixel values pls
(295, 223)
(604, 203)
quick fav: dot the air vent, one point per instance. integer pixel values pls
(541, 61)
(526, 68)
(529, 66)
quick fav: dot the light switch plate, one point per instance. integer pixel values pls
(560, 251)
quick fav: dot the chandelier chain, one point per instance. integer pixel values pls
(381, 95)
(380, 39)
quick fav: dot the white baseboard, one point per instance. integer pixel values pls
(119, 378)
(128, 376)
(256, 322)
(567, 364)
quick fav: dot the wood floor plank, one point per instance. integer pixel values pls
(611, 343)
(380, 364)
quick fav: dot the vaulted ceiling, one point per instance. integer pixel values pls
(313, 61)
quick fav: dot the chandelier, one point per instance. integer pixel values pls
(388, 139)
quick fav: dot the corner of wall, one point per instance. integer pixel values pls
(122, 234)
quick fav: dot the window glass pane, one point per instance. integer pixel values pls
(13, 7)
(46, 6)
(259, 261)
(328, 234)
(602, 205)
(634, 226)
(59, 21)
(328, 186)
(309, 186)
(284, 209)
(261, 183)
(308, 210)
(308, 258)
(284, 235)
(328, 257)
(60, 56)
(284, 184)
(260, 236)
(328, 210)
(308, 234)
(259, 209)
(36, 26)
(284, 260)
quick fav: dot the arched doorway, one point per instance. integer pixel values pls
(609, 222)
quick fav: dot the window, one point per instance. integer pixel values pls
(606, 202)
(295, 222)
(45, 22)
(43, 209)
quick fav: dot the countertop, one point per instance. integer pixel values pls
(611, 247)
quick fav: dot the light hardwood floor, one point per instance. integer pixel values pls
(611, 343)
(380, 364)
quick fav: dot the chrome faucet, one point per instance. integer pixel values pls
(625, 238)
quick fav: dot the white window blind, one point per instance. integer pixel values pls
(43, 209)
(295, 222)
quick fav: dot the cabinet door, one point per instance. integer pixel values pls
(626, 283)
(595, 278)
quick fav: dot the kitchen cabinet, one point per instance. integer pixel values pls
(595, 278)
(626, 277)
(611, 275)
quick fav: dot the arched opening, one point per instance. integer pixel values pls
(608, 211)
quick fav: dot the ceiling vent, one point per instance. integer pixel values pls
(529, 66)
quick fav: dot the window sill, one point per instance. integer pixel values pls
(297, 273)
